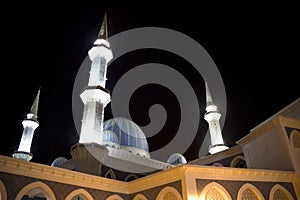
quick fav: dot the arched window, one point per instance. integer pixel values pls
(248, 191)
(238, 162)
(214, 191)
(280, 193)
(169, 193)
(131, 177)
(79, 194)
(114, 197)
(36, 190)
(295, 139)
(139, 197)
(110, 174)
(3, 194)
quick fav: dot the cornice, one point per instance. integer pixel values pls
(268, 125)
(228, 173)
(45, 172)
(178, 173)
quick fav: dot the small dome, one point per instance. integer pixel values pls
(111, 139)
(131, 136)
(176, 159)
(110, 136)
(59, 162)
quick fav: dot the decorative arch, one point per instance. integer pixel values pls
(169, 193)
(278, 192)
(295, 139)
(217, 164)
(139, 197)
(110, 174)
(36, 187)
(238, 162)
(215, 189)
(131, 176)
(3, 193)
(249, 190)
(81, 192)
(114, 197)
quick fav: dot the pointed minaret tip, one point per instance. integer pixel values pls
(209, 99)
(103, 34)
(35, 105)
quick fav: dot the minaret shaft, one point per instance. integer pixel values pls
(95, 97)
(212, 116)
(92, 122)
(29, 126)
(98, 72)
(28, 131)
(214, 128)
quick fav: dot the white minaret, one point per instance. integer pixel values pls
(212, 116)
(95, 97)
(29, 125)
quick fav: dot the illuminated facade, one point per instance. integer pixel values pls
(112, 160)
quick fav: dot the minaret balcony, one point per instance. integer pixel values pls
(22, 155)
(102, 49)
(30, 123)
(96, 93)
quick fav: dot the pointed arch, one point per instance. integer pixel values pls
(279, 192)
(114, 197)
(35, 187)
(3, 193)
(249, 190)
(238, 162)
(216, 189)
(110, 174)
(295, 139)
(81, 192)
(139, 197)
(169, 193)
(131, 176)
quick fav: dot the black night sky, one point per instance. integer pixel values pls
(255, 51)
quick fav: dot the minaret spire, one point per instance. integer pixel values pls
(35, 105)
(209, 99)
(95, 96)
(212, 116)
(29, 126)
(103, 33)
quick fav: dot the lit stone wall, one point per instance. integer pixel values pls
(153, 192)
(233, 187)
(14, 184)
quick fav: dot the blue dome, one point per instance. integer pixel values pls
(176, 159)
(128, 132)
(110, 136)
(58, 162)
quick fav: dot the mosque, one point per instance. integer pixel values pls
(111, 160)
